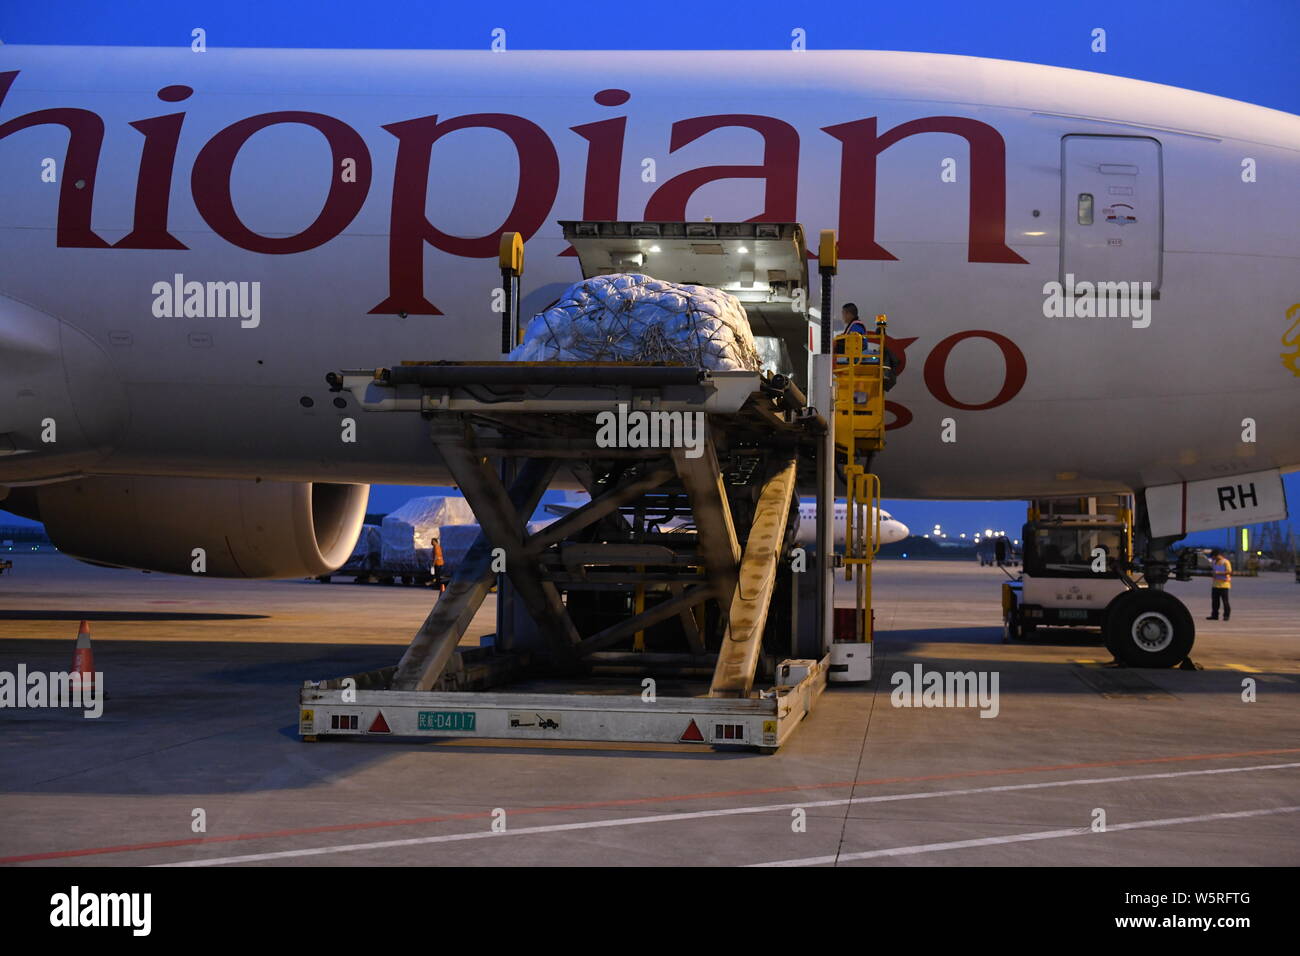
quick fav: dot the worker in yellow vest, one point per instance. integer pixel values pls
(1222, 588)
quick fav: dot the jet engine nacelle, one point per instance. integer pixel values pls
(246, 529)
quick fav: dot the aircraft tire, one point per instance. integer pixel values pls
(1148, 628)
(1011, 626)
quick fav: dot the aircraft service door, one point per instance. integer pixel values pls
(1112, 209)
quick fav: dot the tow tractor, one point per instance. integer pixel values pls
(607, 628)
(1079, 571)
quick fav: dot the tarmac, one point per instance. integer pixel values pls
(196, 758)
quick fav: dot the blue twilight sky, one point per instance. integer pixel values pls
(1245, 49)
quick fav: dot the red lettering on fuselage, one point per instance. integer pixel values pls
(210, 182)
(902, 416)
(80, 164)
(604, 161)
(986, 241)
(1013, 379)
(779, 169)
(935, 370)
(409, 229)
(538, 180)
(153, 184)
(538, 184)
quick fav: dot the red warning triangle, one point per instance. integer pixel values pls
(692, 733)
(380, 726)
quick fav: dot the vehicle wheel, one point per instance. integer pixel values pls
(1011, 626)
(1147, 628)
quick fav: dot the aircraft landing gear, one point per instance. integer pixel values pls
(1146, 627)
(1016, 628)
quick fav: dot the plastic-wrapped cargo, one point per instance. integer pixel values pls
(629, 317)
(366, 553)
(456, 540)
(407, 535)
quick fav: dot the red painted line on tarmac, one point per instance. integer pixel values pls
(631, 801)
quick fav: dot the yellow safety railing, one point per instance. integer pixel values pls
(861, 543)
(859, 383)
(859, 376)
(862, 519)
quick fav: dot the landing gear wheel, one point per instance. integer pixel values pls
(1011, 626)
(1148, 628)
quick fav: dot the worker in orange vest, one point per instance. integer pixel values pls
(437, 564)
(1222, 587)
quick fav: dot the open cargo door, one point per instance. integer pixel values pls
(763, 264)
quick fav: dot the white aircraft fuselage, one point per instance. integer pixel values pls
(364, 192)
(886, 528)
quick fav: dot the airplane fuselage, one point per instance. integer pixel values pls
(363, 193)
(885, 528)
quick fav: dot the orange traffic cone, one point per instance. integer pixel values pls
(83, 658)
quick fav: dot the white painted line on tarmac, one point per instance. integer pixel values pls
(706, 814)
(1024, 837)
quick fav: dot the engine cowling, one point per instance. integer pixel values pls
(247, 529)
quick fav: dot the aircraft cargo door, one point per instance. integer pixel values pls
(1112, 215)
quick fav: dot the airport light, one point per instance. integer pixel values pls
(988, 532)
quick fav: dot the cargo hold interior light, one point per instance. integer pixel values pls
(763, 264)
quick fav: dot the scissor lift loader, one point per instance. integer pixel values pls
(611, 626)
